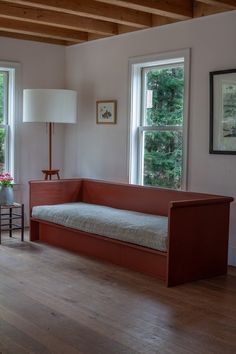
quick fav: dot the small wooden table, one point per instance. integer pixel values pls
(50, 173)
(12, 218)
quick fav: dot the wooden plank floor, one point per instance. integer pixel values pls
(53, 301)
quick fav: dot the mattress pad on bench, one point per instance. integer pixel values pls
(125, 225)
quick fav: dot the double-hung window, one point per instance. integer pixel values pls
(159, 110)
(4, 120)
(9, 109)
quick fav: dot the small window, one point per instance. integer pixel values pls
(159, 123)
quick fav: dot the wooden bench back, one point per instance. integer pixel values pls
(149, 200)
(132, 197)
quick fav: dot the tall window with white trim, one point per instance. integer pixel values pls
(9, 92)
(159, 122)
(4, 127)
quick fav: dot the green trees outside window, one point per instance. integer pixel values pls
(3, 118)
(162, 126)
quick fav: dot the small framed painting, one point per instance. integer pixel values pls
(106, 112)
(223, 112)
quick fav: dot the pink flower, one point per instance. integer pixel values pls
(6, 179)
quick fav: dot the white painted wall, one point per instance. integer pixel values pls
(99, 70)
(42, 66)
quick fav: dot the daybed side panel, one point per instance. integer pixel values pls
(198, 241)
(55, 192)
(52, 192)
(131, 256)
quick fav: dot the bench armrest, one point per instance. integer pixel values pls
(198, 239)
(55, 192)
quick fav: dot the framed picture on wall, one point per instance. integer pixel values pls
(223, 112)
(106, 112)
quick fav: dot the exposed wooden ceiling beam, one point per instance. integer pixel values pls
(92, 9)
(94, 36)
(228, 4)
(74, 21)
(201, 9)
(126, 29)
(57, 19)
(156, 21)
(42, 30)
(161, 20)
(177, 9)
(34, 38)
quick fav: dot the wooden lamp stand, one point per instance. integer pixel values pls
(50, 106)
(50, 172)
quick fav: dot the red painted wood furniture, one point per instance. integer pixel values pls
(198, 227)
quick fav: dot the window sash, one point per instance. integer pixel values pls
(6, 145)
(144, 71)
(6, 96)
(142, 128)
(141, 131)
(5, 124)
(160, 128)
(13, 116)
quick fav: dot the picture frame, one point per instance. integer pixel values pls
(106, 112)
(223, 112)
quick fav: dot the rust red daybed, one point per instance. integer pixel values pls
(198, 226)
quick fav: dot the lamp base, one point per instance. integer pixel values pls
(50, 173)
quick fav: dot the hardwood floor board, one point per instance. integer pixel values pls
(74, 333)
(24, 285)
(226, 284)
(11, 337)
(54, 301)
(72, 308)
(34, 332)
(94, 320)
(214, 298)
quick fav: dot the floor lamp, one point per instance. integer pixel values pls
(49, 106)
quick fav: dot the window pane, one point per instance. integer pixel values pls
(3, 97)
(163, 101)
(2, 149)
(163, 159)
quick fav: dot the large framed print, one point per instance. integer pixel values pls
(223, 112)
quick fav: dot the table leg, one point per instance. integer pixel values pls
(0, 225)
(10, 221)
(22, 222)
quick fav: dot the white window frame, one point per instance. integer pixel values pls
(136, 66)
(13, 107)
(5, 124)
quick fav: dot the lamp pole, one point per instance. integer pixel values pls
(50, 172)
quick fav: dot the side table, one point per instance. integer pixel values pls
(12, 218)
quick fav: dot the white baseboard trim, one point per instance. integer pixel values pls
(232, 256)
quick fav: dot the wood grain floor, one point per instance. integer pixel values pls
(53, 301)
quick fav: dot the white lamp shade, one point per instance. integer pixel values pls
(50, 106)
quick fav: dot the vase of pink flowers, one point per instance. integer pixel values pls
(6, 189)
